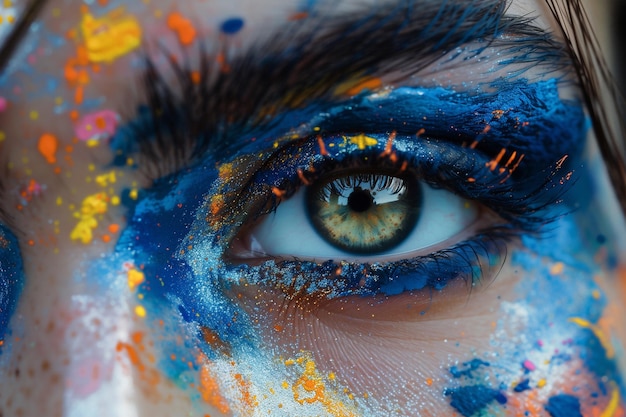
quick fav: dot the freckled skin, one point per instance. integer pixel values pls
(113, 318)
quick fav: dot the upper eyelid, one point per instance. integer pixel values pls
(272, 74)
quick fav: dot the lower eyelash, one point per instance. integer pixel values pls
(476, 260)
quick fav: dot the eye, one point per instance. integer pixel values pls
(359, 214)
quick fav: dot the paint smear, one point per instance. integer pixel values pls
(183, 28)
(111, 36)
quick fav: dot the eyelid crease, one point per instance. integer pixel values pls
(303, 64)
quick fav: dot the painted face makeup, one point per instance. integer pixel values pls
(393, 211)
(11, 278)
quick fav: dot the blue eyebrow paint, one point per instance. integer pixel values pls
(11, 277)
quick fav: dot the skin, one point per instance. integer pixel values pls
(78, 345)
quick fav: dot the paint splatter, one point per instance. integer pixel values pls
(183, 28)
(91, 206)
(470, 400)
(232, 25)
(362, 141)
(563, 405)
(111, 36)
(47, 146)
(97, 126)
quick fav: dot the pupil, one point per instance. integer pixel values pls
(360, 200)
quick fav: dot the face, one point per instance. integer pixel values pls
(304, 208)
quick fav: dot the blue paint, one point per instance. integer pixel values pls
(469, 400)
(522, 386)
(563, 405)
(11, 277)
(232, 25)
(183, 257)
(468, 368)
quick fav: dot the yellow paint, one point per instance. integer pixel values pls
(611, 408)
(140, 311)
(133, 194)
(105, 179)
(111, 36)
(91, 206)
(310, 388)
(557, 268)
(83, 231)
(135, 278)
(3, 136)
(362, 141)
(541, 383)
(602, 337)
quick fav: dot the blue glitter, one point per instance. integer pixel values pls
(11, 277)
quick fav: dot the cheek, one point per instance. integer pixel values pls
(533, 341)
(391, 352)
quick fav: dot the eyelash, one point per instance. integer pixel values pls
(171, 132)
(521, 209)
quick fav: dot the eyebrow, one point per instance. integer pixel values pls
(304, 61)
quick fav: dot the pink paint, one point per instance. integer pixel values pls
(100, 125)
(540, 343)
(528, 365)
(87, 375)
(3, 104)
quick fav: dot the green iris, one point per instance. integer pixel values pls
(363, 212)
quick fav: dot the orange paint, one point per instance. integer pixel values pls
(322, 146)
(196, 77)
(183, 27)
(247, 399)
(278, 192)
(298, 16)
(369, 84)
(48, 146)
(114, 228)
(304, 180)
(209, 389)
(221, 60)
(133, 356)
(492, 165)
(79, 95)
